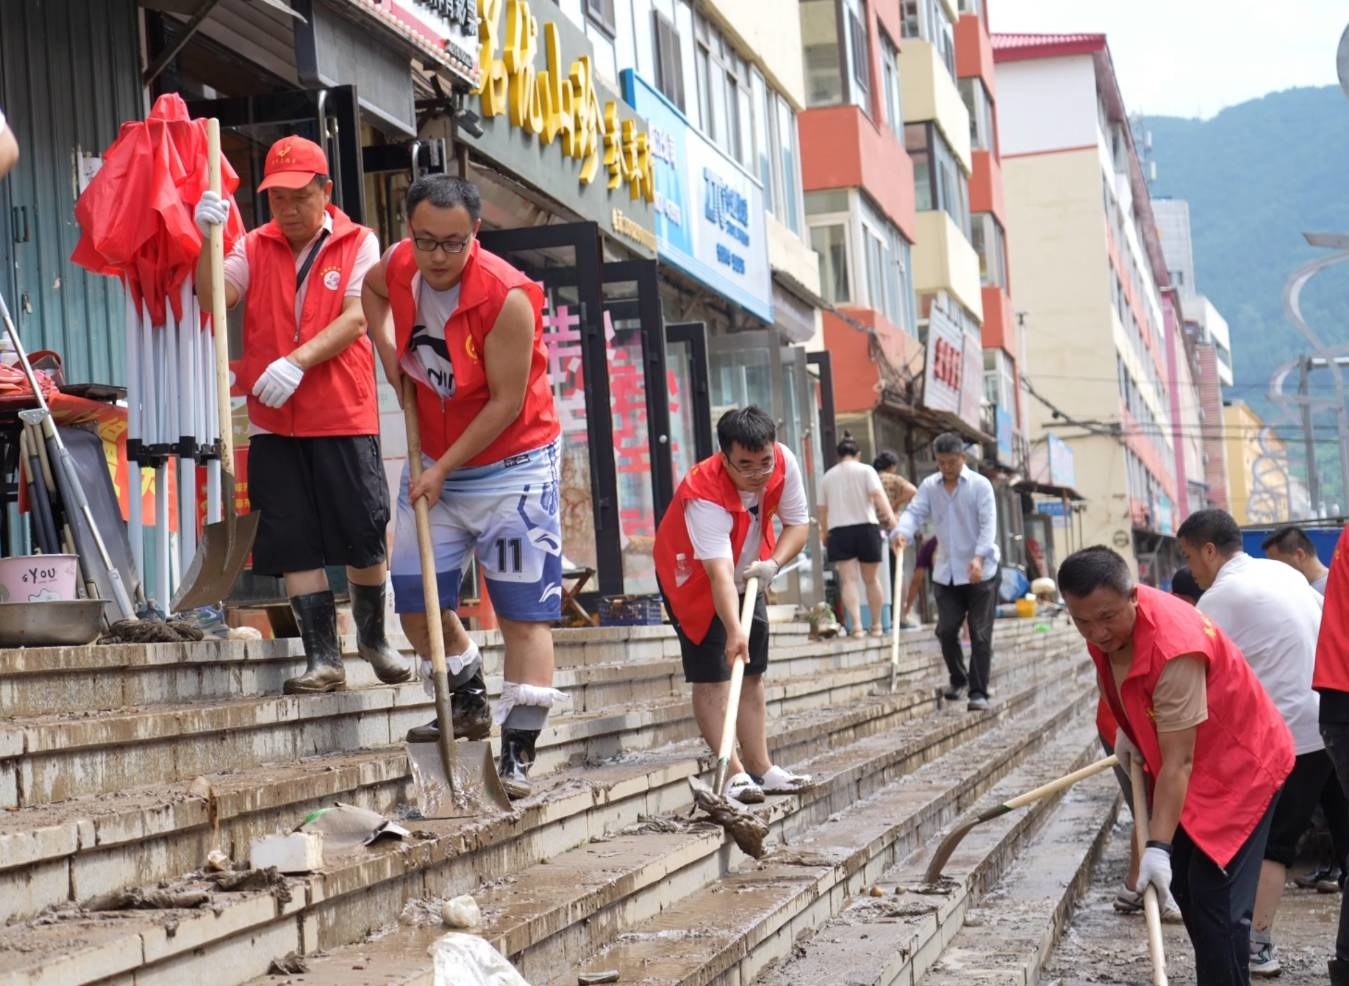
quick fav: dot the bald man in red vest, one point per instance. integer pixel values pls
(315, 472)
(716, 535)
(1214, 745)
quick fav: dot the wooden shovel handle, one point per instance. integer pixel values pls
(1067, 780)
(435, 632)
(1152, 910)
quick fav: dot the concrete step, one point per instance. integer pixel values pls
(1008, 937)
(56, 757)
(555, 914)
(625, 664)
(238, 936)
(52, 854)
(895, 940)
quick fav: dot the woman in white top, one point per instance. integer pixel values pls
(851, 500)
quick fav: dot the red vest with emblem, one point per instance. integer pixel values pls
(1243, 751)
(685, 582)
(336, 397)
(486, 281)
(1332, 647)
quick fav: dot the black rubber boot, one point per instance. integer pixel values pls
(1339, 972)
(517, 755)
(316, 612)
(472, 715)
(367, 610)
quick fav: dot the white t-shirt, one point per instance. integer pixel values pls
(1274, 616)
(428, 358)
(710, 525)
(846, 493)
(1320, 584)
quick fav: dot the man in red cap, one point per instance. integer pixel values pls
(314, 467)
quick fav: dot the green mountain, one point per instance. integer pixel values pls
(1257, 176)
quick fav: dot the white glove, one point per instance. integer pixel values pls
(1125, 751)
(278, 382)
(212, 210)
(1155, 869)
(765, 571)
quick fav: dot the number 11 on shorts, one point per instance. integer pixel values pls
(512, 550)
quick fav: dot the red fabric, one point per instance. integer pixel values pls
(293, 162)
(1332, 647)
(486, 281)
(1106, 726)
(336, 397)
(691, 599)
(1243, 752)
(136, 214)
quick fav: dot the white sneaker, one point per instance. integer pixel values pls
(741, 787)
(780, 781)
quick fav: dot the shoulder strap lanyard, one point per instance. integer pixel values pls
(309, 260)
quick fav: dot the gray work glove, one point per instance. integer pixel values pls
(212, 210)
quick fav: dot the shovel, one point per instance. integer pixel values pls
(948, 844)
(1151, 906)
(897, 600)
(451, 781)
(225, 546)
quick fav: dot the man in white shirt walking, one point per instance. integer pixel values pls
(960, 505)
(1274, 616)
(1291, 546)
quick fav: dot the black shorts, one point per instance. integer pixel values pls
(1298, 798)
(861, 542)
(324, 501)
(705, 663)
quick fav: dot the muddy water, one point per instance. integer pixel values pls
(1104, 947)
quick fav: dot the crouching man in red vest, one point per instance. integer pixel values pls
(314, 467)
(467, 327)
(717, 534)
(1216, 749)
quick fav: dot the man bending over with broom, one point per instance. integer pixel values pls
(716, 535)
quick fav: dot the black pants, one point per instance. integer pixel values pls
(978, 603)
(1336, 736)
(1217, 904)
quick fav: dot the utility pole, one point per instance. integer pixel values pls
(1309, 440)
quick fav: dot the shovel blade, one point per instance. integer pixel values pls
(477, 787)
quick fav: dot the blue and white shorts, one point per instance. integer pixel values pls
(508, 513)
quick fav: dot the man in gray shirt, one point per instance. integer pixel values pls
(1291, 546)
(959, 504)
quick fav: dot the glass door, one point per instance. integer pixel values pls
(691, 437)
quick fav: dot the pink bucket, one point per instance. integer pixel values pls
(38, 578)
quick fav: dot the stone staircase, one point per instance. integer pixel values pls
(122, 767)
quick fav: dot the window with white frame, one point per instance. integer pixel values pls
(928, 20)
(938, 181)
(602, 13)
(724, 96)
(890, 85)
(975, 7)
(859, 53)
(999, 380)
(990, 243)
(980, 109)
(836, 52)
(830, 241)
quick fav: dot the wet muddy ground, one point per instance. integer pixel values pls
(1107, 948)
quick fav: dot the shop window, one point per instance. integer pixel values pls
(990, 242)
(980, 109)
(601, 12)
(894, 115)
(669, 59)
(831, 243)
(822, 55)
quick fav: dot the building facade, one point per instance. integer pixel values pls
(1261, 487)
(1090, 275)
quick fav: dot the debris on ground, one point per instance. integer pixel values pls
(748, 830)
(596, 978)
(295, 852)
(217, 861)
(461, 912)
(345, 826)
(240, 881)
(467, 960)
(290, 964)
(148, 900)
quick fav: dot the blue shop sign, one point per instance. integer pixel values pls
(1005, 433)
(709, 210)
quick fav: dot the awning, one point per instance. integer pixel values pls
(935, 421)
(1049, 489)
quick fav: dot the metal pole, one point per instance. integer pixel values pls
(1309, 441)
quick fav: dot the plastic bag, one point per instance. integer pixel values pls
(467, 960)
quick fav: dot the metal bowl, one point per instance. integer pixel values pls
(50, 623)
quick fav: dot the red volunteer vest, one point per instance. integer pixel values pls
(486, 281)
(1332, 647)
(336, 397)
(1243, 752)
(682, 577)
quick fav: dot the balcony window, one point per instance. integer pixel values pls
(859, 54)
(938, 181)
(975, 7)
(724, 96)
(980, 109)
(601, 12)
(836, 53)
(669, 59)
(894, 115)
(928, 20)
(990, 242)
(831, 243)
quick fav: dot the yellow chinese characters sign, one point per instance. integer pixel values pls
(557, 104)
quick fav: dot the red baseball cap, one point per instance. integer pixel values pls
(293, 162)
